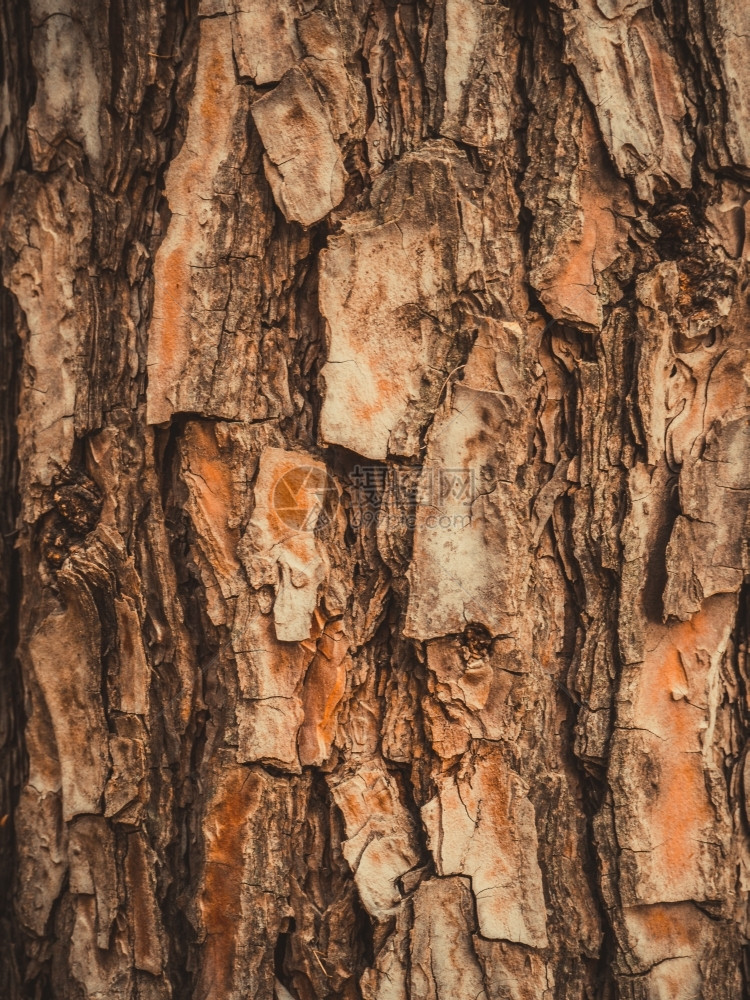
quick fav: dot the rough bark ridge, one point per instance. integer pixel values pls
(374, 453)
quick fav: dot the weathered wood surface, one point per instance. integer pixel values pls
(375, 467)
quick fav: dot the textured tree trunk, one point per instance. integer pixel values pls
(375, 475)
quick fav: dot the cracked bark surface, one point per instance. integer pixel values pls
(374, 463)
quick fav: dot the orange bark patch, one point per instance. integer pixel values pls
(146, 924)
(683, 812)
(660, 933)
(568, 279)
(671, 694)
(387, 392)
(174, 280)
(666, 925)
(672, 817)
(324, 688)
(212, 107)
(226, 832)
(212, 487)
(189, 188)
(481, 824)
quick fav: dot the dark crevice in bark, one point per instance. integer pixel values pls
(656, 567)
(178, 873)
(590, 582)
(604, 979)
(592, 783)
(473, 155)
(281, 952)
(204, 636)
(326, 871)
(681, 23)
(529, 17)
(309, 348)
(737, 766)
(44, 964)
(12, 754)
(20, 85)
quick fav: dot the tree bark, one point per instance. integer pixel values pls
(375, 475)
